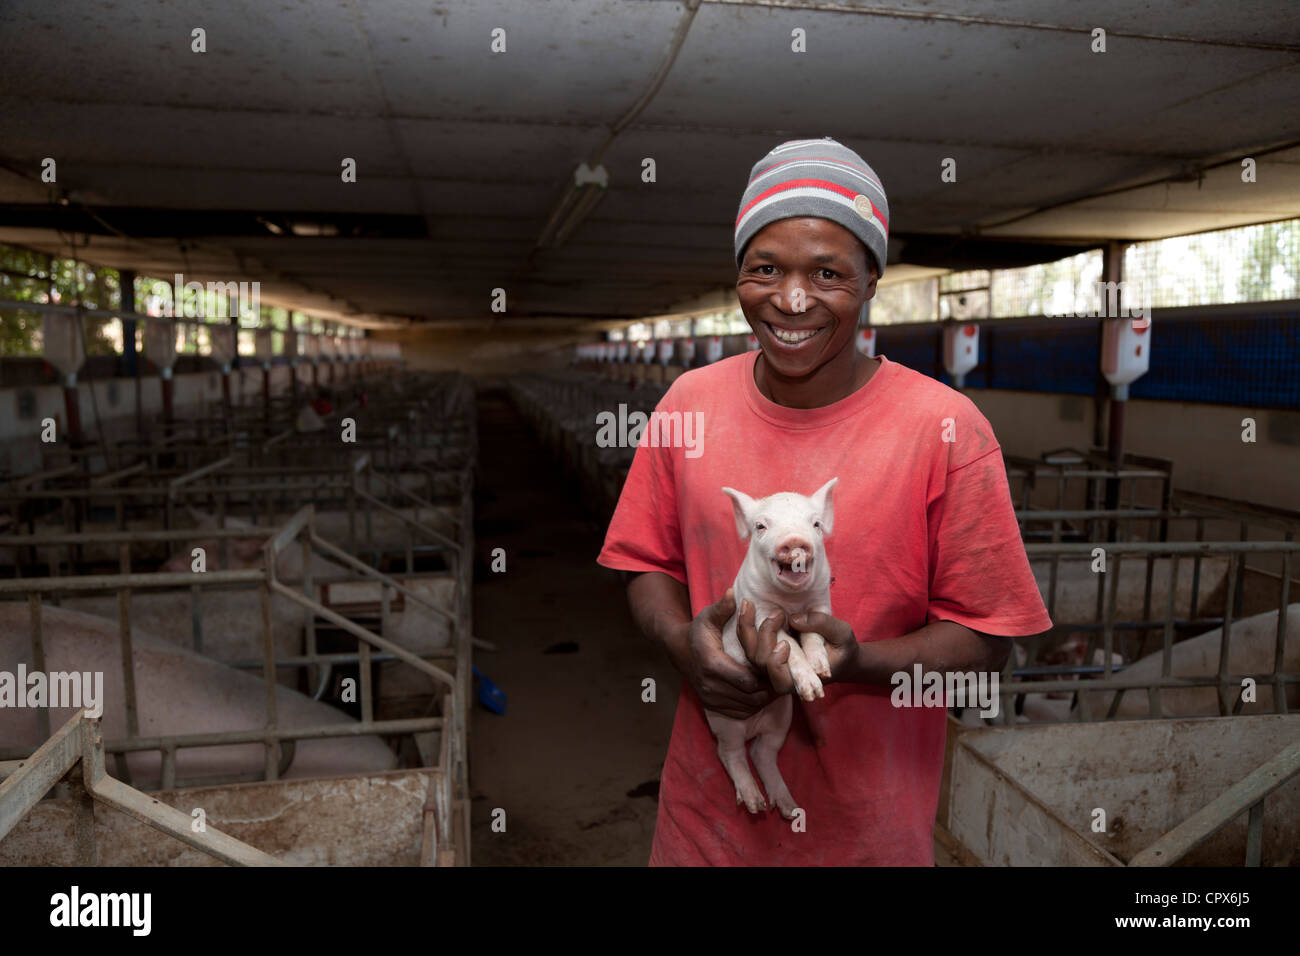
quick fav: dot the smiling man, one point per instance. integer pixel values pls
(928, 565)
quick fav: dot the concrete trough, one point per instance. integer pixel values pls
(1032, 796)
(373, 819)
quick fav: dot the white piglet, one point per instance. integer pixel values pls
(785, 568)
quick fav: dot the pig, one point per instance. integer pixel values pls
(1253, 647)
(786, 569)
(231, 626)
(247, 553)
(1056, 707)
(1076, 587)
(178, 692)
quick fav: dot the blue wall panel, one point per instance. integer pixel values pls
(1251, 361)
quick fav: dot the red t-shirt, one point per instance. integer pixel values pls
(924, 530)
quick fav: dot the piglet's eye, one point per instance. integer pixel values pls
(817, 524)
(760, 526)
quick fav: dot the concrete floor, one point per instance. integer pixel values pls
(575, 760)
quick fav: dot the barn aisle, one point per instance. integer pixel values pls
(575, 760)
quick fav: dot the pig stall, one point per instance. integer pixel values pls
(283, 618)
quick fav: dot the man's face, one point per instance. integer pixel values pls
(808, 262)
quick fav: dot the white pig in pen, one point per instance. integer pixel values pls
(177, 692)
(413, 625)
(1076, 603)
(230, 622)
(1077, 583)
(1252, 649)
(229, 619)
(785, 568)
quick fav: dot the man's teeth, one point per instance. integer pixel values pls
(792, 338)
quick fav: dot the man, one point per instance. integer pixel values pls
(926, 555)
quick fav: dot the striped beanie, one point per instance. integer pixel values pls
(816, 177)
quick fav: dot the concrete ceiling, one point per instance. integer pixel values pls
(176, 161)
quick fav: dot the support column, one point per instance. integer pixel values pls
(130, 356)
(72, 405)
(165, 375)
(262, 339)
(266, 391)
(1112, 270)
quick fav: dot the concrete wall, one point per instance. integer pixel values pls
(1203, 441)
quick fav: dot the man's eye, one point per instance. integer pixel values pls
(828, 274)
(759, 269)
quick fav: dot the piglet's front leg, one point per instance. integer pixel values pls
(814, 649)
(805, 678)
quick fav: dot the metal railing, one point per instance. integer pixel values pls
(264, 579)
(79, 742)
(1104, 635)
(419, 431)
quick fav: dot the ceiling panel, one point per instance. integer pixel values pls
(462, 153)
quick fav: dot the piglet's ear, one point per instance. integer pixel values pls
(744, 507)
(822, 503)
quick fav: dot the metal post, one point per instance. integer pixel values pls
(38, 658)
(167, 394)
(266, 393)
(72, 406)
(1112, 270)
(130, 358)
(309, 589)
(83, 820)
(1279, 688)
(124, 636)
(268, 670)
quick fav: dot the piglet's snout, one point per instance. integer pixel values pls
(794, 550)
(792, 563)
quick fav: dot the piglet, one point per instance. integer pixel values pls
(785, 568)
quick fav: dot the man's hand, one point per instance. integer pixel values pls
(842, 649)
(769, 655)
(722, 685)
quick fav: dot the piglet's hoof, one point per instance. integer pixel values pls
(820, 662)
(808, 686)
(751, 800)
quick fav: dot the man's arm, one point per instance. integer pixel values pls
(942, 646)
(661, 607)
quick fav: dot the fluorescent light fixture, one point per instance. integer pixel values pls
(588, 189)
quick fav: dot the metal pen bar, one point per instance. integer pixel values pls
(371, 573)
(38, 657)
(1083, 549)
(1225, 639)
(437, 673)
